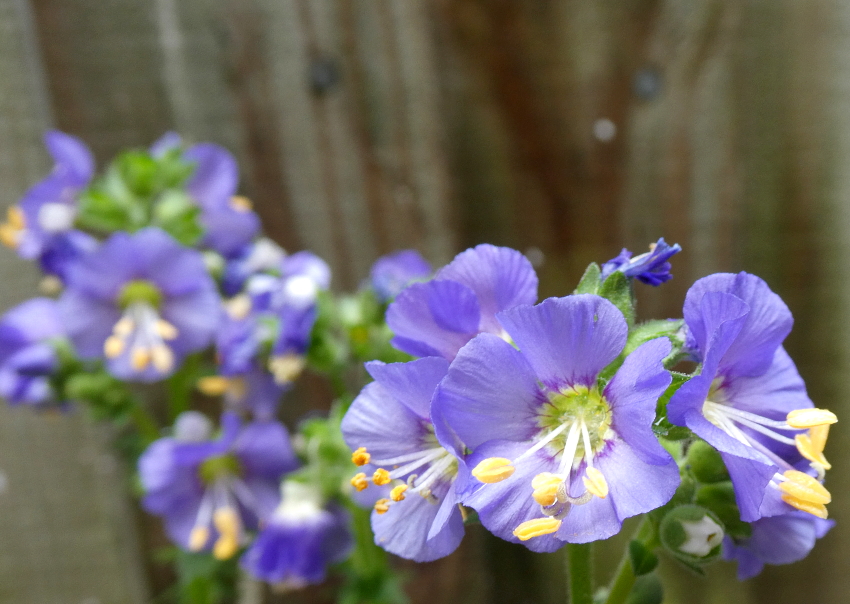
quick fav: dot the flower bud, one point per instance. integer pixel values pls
(692, 534)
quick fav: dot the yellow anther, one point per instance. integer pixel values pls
(808, 450)
(113, 347)
(381, 477)
(50, 285)
(166, 330)
(359, 481)
(493, 469)
(243, 204)
(16, 218)
(595, 483)
(818, 435)
(238, 307)
(808, 418)
(815, 509)
(10, 231)
(139, 358)
(124, 327)
(397, 493)
(360, 457)
(213, 385)
(805, 488)
(162, 358)
(536, 528)
(198, 538)
(226, 521)
(9, 236)
(286, 368)
(382, 506)
(225, 548)
(546, 486)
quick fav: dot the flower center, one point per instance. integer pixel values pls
(218, 467)
(140, 290)
(141, 333)
(580, 406)
(574, 426)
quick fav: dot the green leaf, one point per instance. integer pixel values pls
(642, 559)
(99, 211)
(618, 289)
(661, 426)
(647, 590)
(590, 281)
(178, 216)
(650, 330)
(138, 170)
(705, 463)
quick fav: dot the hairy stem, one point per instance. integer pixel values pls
(580, 572)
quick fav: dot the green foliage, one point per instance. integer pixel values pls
(201, 579)
(684, 525)
(617, 288)
(662, 427)
(720, 499)
(139, 190)
(705, 463)
(642, 559)
(647, 590)
(590, 281)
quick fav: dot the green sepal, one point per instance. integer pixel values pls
(650, 330)
(647, 590)
(617, 288)
(720, 499)
(643, 560)
(661, 426)
(705, 463)
(590, 281)
(470, 517)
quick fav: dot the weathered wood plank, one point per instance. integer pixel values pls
(66, 526)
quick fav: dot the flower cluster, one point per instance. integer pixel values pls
(549, 422)
(556, 421)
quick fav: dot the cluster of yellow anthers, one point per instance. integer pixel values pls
(800, 490)
(10, 231)
(147, 334)
(440, 463)
(226, 522)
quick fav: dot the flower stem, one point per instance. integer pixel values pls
(580, 572)
(624, 580)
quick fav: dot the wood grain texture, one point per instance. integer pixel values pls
(66, 525)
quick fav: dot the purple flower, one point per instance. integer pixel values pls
(392, 273)
(651, 268)
(390, 428)
(41, 226)
(27, 358)
(262, 255)
(227, 218)
(438, 317)
(209, 492)
(143, 301)
(748, 400)
(557, 455)
(300, 540)
(255, 391)
(775, 540)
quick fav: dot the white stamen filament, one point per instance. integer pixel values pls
(408, 468)
(404, 458)
(542, 442)
(433, 473)
(570, 448)
(588, 452)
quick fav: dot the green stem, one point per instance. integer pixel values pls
(368, 560)
(145, 424)
(580, 572)
(624, 579)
